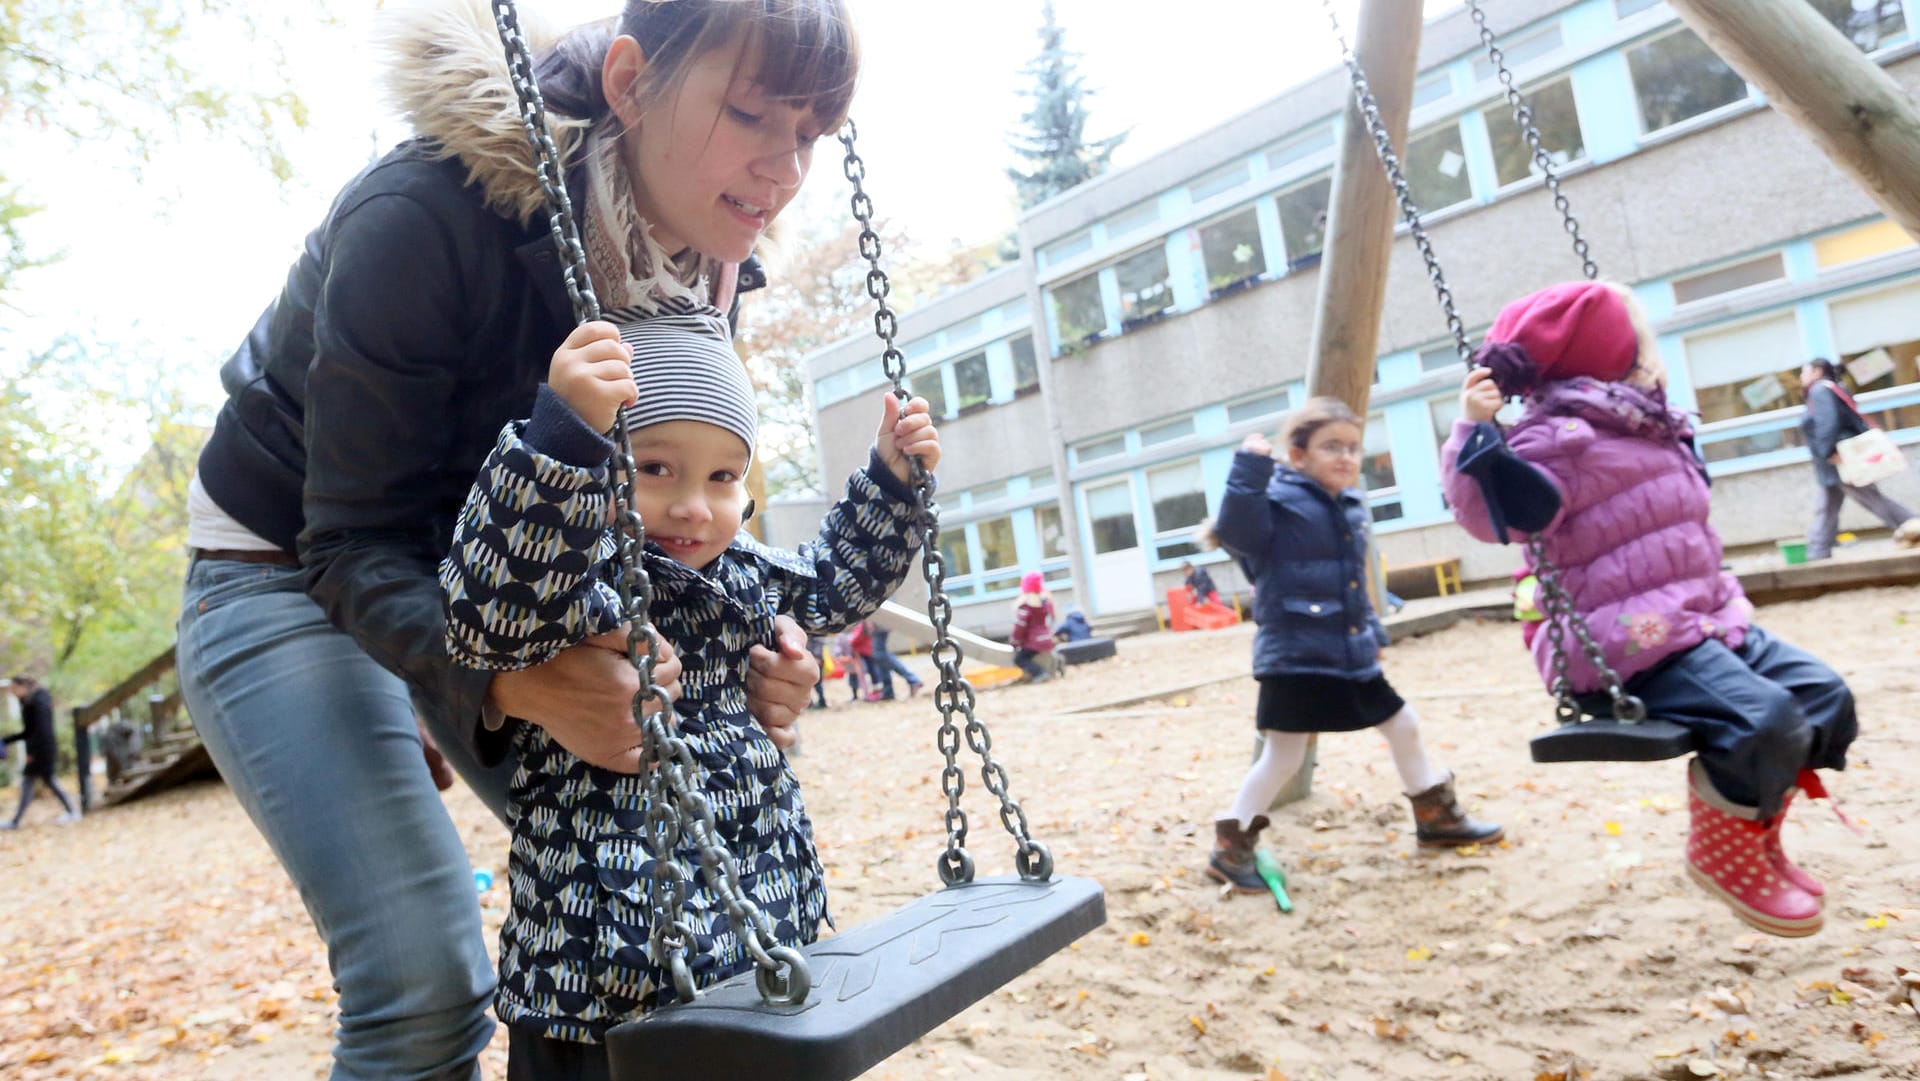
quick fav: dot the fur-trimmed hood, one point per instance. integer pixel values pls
(444, 70)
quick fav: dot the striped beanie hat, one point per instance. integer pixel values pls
(685, 368)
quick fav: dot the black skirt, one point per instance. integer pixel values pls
(1313, 703)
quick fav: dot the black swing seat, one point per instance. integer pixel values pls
(1601, 737)
(876, 988)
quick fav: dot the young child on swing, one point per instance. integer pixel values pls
(530, 573)
(1607, 472)
(1300, 532)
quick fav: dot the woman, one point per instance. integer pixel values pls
(419, 318)
(1831, 417)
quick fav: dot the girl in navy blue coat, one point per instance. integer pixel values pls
(1300, 531)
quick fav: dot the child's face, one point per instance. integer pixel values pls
(1331, 457)
(690, 488)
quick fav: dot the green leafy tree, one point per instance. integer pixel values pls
(1054, 146)
(140, 73)
(91, 546)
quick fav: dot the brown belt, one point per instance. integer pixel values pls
(273, 556)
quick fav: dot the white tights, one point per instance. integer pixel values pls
(1281, 754)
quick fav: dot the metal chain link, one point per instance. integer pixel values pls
(1560, 611)
(953, 694)
(1542, 160)
(673, 781)
(1383, 145)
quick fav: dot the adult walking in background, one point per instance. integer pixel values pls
(1831, 417)
(43, 749)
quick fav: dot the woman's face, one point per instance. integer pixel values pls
(715, 161)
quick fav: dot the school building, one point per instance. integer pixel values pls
(1093, 393)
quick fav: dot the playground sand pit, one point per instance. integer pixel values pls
(160, 940)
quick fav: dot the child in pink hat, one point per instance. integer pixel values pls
(1032, 636)
(1606, 473)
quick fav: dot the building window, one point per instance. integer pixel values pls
(1303, 220)
(1133, 219)
(1026, 367)
(1750, 368)
(1179, 503)
(985, 492)
(1432, 88)
(1166, 433)
(1869, 24)
(1230, 250)
(1677, 78)
(1012, 313)
(1267, 405)
(1053, 538)
(1558, 120)
(997, 549)
(1110, 518)
(928, 384)
(1437, 169)
(1376, 455)
(1300, 147)
(1218, 182)
(1100, 448)
(1145, 292)
(954, 553)
(1385, 506)
(1878, 339)
(1039, 479)
(1860, 242)
(1062, 250)
(1520, 51)
(971, 383)
(1079, 311)
(1726, 279)
(1439, 358)
(1624, 8)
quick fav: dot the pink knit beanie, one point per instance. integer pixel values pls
(1030, 582)
(1560, 332)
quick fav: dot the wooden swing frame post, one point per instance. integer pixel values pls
(1361, 214)
(1812, 75)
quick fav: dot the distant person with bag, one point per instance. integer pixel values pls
(1832, 418)
(1032, 636)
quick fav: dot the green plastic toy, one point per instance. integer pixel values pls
(1275, 878)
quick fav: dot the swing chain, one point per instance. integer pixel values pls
(1560, 613)
(1383, 144)
(1542, 158)
(953, 694)
(673, 779)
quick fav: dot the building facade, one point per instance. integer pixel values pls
(1094, 392)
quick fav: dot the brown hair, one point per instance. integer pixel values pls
(1313, 416)
(808, 52)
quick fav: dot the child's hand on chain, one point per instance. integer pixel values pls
(1480, 399)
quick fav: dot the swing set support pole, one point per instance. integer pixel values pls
(1361, 214)
(1847, 104)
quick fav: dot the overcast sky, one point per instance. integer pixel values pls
(184, 274)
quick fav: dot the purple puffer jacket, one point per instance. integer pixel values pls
(1632, 542)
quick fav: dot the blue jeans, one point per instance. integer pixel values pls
(319, 745)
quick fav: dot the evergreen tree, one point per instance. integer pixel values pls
(1054, 144)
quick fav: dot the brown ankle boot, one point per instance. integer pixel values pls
(1440, 822)
(1232, 859)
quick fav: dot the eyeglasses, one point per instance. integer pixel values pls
(1339, 450)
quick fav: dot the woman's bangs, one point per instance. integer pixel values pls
(808, 55)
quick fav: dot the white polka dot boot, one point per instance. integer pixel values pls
(1727, 854)
(1794, 872)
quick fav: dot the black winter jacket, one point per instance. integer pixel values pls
(416, 322)
(36, 729)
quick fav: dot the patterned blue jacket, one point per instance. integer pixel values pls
(573, 950)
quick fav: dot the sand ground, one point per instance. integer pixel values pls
(160, 940)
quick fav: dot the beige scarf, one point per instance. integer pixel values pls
(630, 271)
